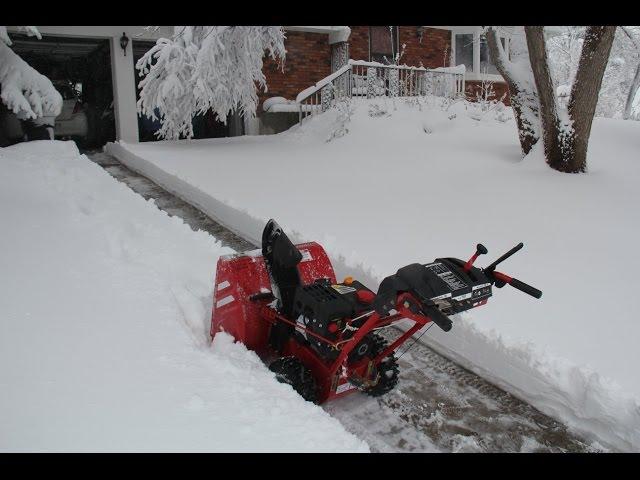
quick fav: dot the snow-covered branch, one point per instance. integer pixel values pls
(30, 30)
(24, 91)
(202, 68)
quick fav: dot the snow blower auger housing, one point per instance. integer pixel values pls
(284, 302)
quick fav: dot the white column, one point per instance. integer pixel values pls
(476, 52)
(251, 125)
(124, 93)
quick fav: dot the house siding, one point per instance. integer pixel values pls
(472, 87)
(359, 43)
(432, 52)
(308, 60)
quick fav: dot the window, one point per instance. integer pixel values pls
(464, 50)
(470, 49)
(383, 44)
(486, 63)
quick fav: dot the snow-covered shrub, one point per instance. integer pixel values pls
(485, 101)
(23, 90)
(502, 114)
(202, 68)
(378, 110)
(345, 109)
(415, 101)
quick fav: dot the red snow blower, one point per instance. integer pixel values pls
(284, 303)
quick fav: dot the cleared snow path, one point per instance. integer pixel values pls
(438, 405)
(104, 310)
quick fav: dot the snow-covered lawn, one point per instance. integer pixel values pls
(424, 183)
(104, 309)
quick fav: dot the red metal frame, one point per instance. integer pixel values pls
(331, 375)
(239, 310)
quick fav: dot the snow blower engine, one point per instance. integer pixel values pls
(320, 336)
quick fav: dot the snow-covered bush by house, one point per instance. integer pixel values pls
(23, 90)
(379, 108)
(202, 68)
(345, 106)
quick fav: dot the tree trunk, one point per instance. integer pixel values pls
(585, 90)
(566, 133)
(546, 95)
(635, 85)
(524, 98)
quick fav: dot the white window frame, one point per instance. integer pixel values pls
(475, 73)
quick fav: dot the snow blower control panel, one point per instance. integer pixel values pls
(455, 290)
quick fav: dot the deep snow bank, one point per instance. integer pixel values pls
(409, 184)
(104, 306)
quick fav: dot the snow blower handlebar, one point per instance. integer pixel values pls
(501, 279)
(517, 284)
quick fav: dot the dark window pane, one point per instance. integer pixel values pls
(383, 42)
(486, 64)
(464, 50)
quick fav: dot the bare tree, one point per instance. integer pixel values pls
(635, 84)
(565, 133)
(522, 91)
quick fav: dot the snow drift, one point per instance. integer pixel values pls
(420, 181)
(104, 308)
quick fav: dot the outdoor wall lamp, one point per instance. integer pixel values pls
(420, 33)
(124, 41)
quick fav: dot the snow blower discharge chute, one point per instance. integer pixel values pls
(319, 335)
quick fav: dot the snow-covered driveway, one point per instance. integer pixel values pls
(422, 183)
(437, 406)
(104, 310)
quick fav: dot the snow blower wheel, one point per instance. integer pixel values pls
(388, 368)
(284, 301)
(292, 371)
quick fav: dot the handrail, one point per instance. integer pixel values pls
(359, 78)
(307, 92)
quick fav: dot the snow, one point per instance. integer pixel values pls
(104, 308)
(386, 194)
(325, 81)
(270, 102)
(26, 92)
(459, 69)
(201, 68)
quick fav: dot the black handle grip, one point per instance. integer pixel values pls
(438, 318)
(523, 287)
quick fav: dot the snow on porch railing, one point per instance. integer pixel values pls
(370, 79)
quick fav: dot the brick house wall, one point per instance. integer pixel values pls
(359, 43)
(432, 52)
(472, 87)
(308, 60)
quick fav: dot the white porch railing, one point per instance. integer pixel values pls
(369, 79)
